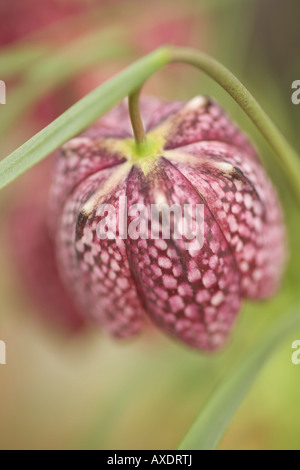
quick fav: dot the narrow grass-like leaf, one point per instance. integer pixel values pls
(213, 420)
(46, 75)
(80, 115)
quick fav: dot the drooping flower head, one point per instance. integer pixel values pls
(198, 157)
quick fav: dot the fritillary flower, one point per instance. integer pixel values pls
(198, 157)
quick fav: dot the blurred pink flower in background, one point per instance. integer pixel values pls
(33, 251)
(20, 18)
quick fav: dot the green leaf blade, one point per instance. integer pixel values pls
(214, 419)
(80, 115)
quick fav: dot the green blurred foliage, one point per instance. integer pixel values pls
(91, 392)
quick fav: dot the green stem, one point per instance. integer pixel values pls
(103, 98)
(80, 115)
(287, 157)
(136, 119)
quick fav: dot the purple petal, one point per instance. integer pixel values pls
(98, 270)
(192, 294)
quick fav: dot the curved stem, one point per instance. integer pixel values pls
(88, 110)
(136, 119)
(81, 115)
(287, 157)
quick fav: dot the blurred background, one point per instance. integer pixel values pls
(64, 386)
